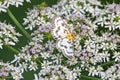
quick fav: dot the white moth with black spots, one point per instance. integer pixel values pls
(65, 38)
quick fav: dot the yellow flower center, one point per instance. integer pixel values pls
(71, 36)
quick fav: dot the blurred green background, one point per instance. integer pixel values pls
(20, 13)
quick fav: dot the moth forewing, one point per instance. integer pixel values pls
(59, 31)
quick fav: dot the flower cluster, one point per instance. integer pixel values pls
(8, 35)
(7, 70)
(35, 17)
(4, 4)
(97, 27)
(93, 33)
(58, 72)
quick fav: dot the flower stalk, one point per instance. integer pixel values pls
(12, 49)
(89, 78)
(25, 33)
(108, 63)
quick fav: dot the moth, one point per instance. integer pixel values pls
(64, 36)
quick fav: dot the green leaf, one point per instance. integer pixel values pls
(42, 5)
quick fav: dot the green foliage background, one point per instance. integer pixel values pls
(20, 13)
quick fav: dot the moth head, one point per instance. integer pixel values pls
(70, 36)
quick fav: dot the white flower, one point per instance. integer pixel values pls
(70, 75)
(105, 56)
(16, 74)
(113, 77)
(105, 46)
(50, 45)
(8, 42)
(45, 55)
(89, 8)
(116, 56)
(112, 24)
(97, 12)
(40, 20)
(72, 61)
(45, 71)
(93, 61)
(26, 21)
(98, 57)
(110, 73)
(100, 21)
(32, 19)
(18, 2)
(92, 71)
(58, 58)
(54, 77)
(65, 10)
(77, 70)
(1, 44)
(16, 59)
(8, 2)
(28, 1)
(92, 26)
(113, 46)
(45, 64)
(38, 77)
(24, 66)
(77, 9)
(33, 66)
(87, 42)
(8, 34)
(94, 2)
(102, 74)
(99, 70)
(65, 69)
(73, 3)
(2, 7)
(27, 57)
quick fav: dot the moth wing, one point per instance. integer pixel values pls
(66, 47)
(59, 28)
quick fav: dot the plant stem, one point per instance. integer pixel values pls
(18, 24)
(107, 63)
(12, 49)
(7, 77)
(89, 78)
(38, 60)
